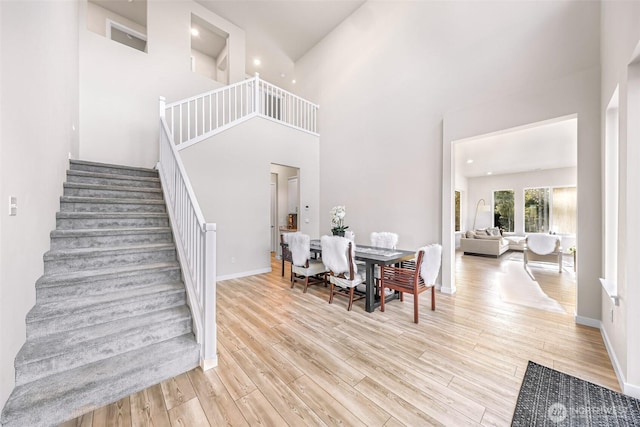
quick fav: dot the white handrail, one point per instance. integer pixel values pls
(195, 242)
(194, 119)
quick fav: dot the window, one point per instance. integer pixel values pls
(563, 210)
(503, 210)
(536, 210)
(550, 210)
(457, 211)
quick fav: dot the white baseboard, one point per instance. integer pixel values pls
(631, 390)
(612, 356)
(587, 321)
(207, 364)
(447, 290)
(244, 274)
(627, 388)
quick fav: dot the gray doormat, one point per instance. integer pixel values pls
(551, 398)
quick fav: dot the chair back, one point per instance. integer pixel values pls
(300, 247)
(338, 254)
(384, 239)
(286, 251)
(429, 265)
(543, 244)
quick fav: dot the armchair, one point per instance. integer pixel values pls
(544, 248)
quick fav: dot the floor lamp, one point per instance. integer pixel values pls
(480, 208)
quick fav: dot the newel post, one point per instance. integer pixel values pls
(209, 356)
(256, 95)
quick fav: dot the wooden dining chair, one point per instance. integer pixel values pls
(338, 255)
(302, 266)
(414, 280)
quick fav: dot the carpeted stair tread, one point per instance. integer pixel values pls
(110, 200)
(86, 232)
(90, 215)
(102, 273)
(96, 252)
(154, 181)
(53, 309)
(83, 165)
(54, 344)
(110, 191)
(69, 349)
(69, 394)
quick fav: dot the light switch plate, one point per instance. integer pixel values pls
(13, 206)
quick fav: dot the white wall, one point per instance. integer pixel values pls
(38, 107)
(619, 51)
(387, 75)
(120, 86)
(483, 188)
(230, 174)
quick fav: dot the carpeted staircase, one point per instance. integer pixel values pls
(110, 317)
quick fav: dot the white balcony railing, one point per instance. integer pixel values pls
(195, 242)
(194, 119)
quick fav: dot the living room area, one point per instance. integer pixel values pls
(517, 183)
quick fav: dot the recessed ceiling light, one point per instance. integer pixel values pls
(469, 161)
(489, 173)
(283, 75)
(293, 81)
(195, 32)
(257, 61)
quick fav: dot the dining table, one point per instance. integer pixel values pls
(372, 256)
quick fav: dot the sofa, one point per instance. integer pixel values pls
(490, 242)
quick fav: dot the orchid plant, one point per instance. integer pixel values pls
(337, 219)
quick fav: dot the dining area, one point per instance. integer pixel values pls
(378, 272)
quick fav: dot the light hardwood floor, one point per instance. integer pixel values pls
(288, 358)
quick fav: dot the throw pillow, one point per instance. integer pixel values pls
(482, 231)
(470, 234)
(493, 231)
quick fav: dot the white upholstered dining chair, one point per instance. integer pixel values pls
(338, 255)
(302, 266)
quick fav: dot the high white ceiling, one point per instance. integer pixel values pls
(542, 146)
(281, 32)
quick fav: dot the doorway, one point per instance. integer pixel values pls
(526, 178)
(285, 199)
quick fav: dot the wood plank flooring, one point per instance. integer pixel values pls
(288, 358)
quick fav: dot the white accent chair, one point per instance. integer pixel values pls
(414, 281)
(338, 254)
(543, 248)
(302, 266)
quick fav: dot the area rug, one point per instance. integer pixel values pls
(517, 287)
(551, 398)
